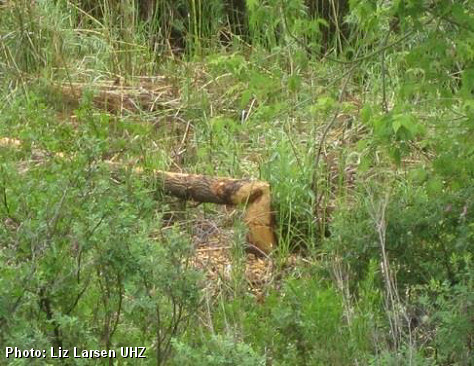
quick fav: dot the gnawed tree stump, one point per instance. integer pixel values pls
(254, 195)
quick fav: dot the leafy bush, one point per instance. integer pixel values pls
(217, 351)
(86, 258)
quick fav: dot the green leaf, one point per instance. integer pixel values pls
(405, 126)
(396, 125)
(294, 83)
(467, 89)
(366, 113)
(245, 98)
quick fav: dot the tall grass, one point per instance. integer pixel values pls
(288, 96)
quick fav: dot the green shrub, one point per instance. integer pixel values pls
(217, 351)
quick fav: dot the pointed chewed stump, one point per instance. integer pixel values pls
(254, 195)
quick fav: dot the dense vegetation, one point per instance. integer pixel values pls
(359, 113)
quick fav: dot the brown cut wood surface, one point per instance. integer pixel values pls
(255, 195)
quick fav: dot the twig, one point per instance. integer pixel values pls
(200, 250)
(326, 131)
(384, 70)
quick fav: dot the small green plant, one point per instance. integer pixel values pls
(217, 351)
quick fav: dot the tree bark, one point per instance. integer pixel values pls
(255, 195)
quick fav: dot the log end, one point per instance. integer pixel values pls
(260, 221)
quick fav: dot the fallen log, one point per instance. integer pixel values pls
(116, 97)
(254, 195)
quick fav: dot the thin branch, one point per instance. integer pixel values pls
(327, 129)
(384, 72)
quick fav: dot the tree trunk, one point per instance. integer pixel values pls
(254, 195)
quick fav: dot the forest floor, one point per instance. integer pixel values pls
(367, 150)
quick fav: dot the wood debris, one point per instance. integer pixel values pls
(118, 96)
(217, 262)
(9, 142)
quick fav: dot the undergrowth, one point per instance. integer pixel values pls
(360, 117)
